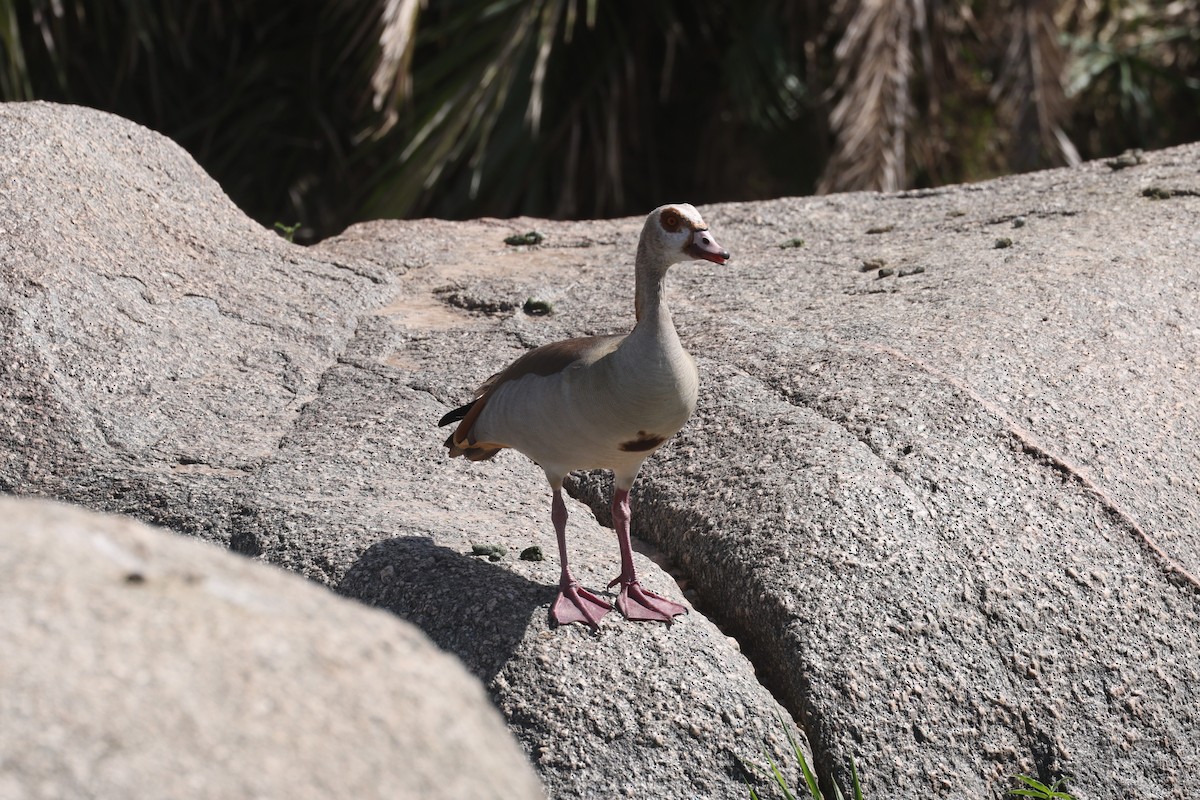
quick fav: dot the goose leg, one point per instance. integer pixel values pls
(634, 602)
(574, 603)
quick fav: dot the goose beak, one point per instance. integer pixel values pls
(704, 246)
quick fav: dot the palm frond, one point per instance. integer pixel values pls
(269, 98)
(562, 108)
(460, 110)
(14, 73)
(338, 111)
(1030, 89)
(870, 121)
(1134, 73)
(391, 79)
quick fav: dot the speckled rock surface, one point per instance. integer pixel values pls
(158, 343)
(960, 479)
(940, 485)
(141, 663)
(173, 361)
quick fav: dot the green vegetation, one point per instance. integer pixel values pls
(532, 553)
(1031, 786)
(536, 308)
(810, 779)
(517, 239)
(494, 552)
(577, 108)
(287, 231)
(1036, 789)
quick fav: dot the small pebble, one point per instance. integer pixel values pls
(1130, 158)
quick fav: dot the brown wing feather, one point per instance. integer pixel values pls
(548, 359)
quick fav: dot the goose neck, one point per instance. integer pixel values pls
(648, 289)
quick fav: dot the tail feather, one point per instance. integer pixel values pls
(456, 415)
(472, 452)
(467, 448)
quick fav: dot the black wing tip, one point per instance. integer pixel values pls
(456, 415)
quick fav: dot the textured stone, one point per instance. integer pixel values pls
(175, 362)
(141, 663)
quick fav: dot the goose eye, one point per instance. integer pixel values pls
(670, 221)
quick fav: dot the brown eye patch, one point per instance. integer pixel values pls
(670, 220)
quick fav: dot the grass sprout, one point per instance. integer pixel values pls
(1040, 791)
(287, 231)
(810, 778)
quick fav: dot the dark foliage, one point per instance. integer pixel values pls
(324, 113)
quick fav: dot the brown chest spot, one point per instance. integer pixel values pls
(644, 441)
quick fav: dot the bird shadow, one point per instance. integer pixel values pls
(468, 606)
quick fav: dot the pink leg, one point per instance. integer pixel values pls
(574, 603)
(635, 602)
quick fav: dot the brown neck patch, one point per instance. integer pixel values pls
(643, 442)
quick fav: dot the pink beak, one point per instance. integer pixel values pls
(704, 246)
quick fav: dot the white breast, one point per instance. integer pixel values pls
(608, 414)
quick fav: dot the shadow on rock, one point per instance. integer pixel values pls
(468, 606)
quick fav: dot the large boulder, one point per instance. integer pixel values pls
(140, 663)
(940, 484)
(173, 361)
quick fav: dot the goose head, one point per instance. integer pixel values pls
(676, 232)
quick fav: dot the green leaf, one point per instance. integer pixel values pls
(1036, 784)
(814, 787)
(779, 779)
(858, 792)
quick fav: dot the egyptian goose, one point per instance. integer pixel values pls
(599, 402)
